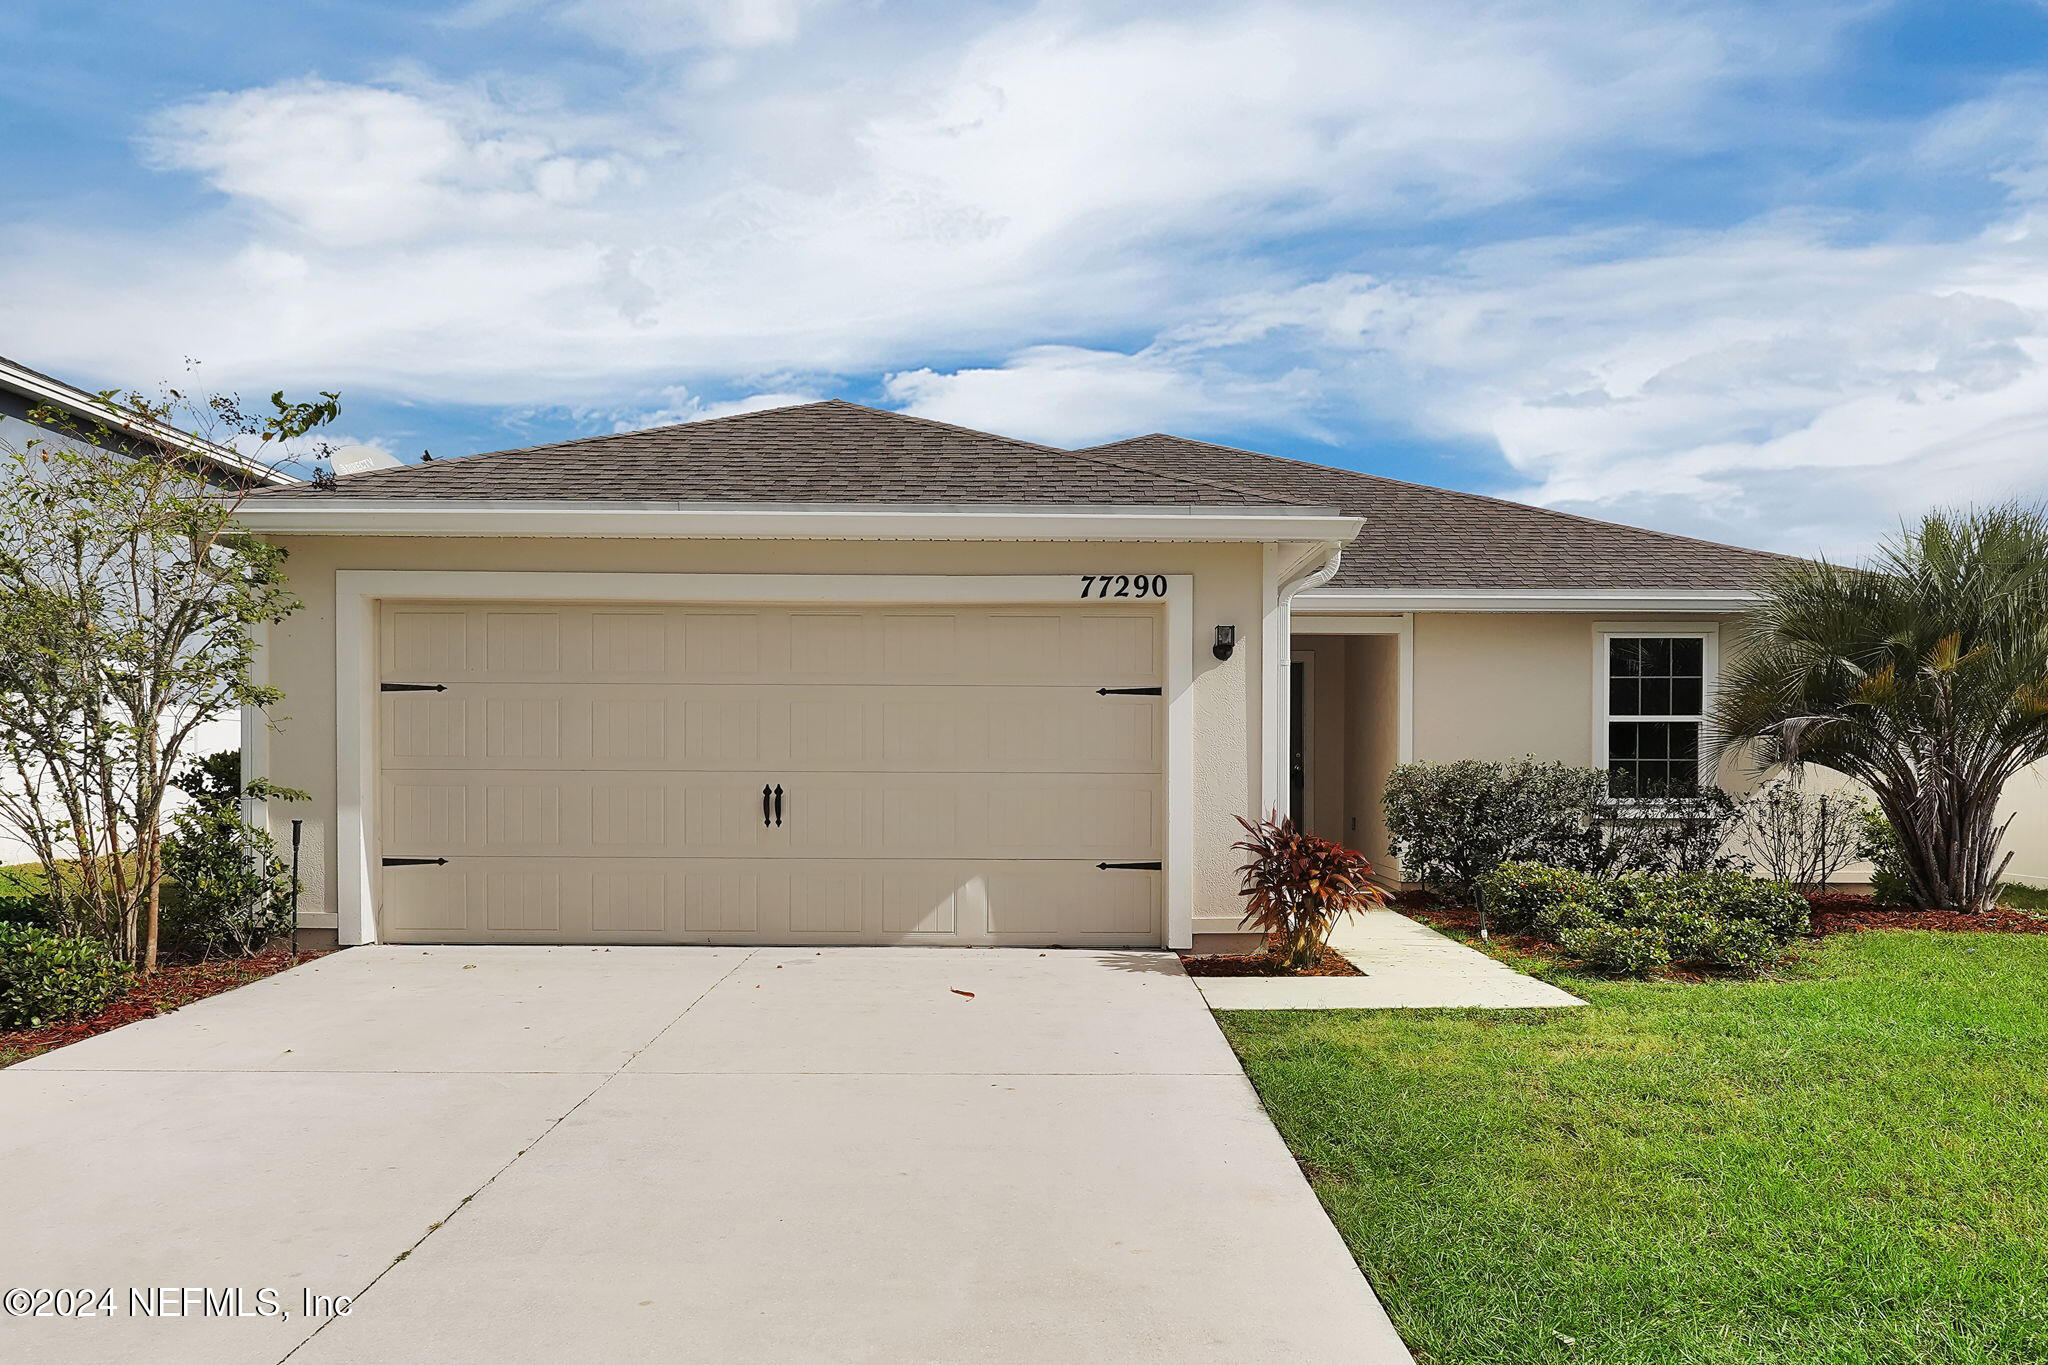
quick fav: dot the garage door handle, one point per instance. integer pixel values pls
(413, 862)
(1130, 691)
(1130, 867)
(766, 806)
(778, 805)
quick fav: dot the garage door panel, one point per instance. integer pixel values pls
(1107, 645)
(595, 774)
(764, 728)
(719, 815)
(1065, 902)
(593, 900)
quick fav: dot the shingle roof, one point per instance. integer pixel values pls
(1421, 537)
(837, 452)
(812, 452)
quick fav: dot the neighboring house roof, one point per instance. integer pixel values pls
(829, 452)
(836, 452)
(22, 390)
(1421, 537)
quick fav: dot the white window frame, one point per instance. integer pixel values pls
(1604, 632)
(359, 592)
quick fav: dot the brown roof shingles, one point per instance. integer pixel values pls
(838, 452)
(1421, 537)
(829, 452)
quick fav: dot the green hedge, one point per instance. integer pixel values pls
(1639, 922)
(48, 979)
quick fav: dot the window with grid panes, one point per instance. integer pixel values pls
(1656, 699)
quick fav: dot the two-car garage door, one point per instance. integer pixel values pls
(685, 774)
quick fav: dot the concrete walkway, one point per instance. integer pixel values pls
(1407, 966)
(516, 1155)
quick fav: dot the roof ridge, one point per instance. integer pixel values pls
(1083, 453)
(1458, 493)
(1198, 480)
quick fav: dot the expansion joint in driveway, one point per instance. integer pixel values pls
(554, 1123)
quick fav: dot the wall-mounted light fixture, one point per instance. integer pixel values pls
(1226, 642)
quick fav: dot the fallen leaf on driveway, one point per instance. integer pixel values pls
(968, 994)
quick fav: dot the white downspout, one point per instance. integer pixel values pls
(1279, 660)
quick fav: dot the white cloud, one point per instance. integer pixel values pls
(1073, 222)
(351, 164)
(1056, 175)
(678, 404)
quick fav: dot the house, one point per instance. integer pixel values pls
(83, 420)
(827, 674)
(23, 392)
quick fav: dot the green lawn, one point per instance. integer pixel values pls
(1845, 1166)
(2024, 897)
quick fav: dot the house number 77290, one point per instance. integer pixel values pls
(1123, 585)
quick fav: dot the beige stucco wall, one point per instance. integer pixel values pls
(1501, 685)
(1374, 743)
(1227, 589)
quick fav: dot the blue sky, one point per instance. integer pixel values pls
(1771, 273)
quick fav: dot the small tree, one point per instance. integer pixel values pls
(129, 605)
(1925, 676)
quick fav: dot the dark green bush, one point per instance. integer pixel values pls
(47, 979)
(1452, 823)
(226, 892)
(1742, 945)
(1516, 895)
(1880, 848)
(1620, 949)
(1637, 922)
(26, 907)
(1732, 896)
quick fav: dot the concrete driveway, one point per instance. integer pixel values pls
(671, 1154)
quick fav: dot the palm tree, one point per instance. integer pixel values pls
(1924, 676)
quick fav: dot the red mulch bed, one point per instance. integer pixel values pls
(1332, 963)
(1834, 913)
(1840, 914)
(1466, 919)
(172, 985)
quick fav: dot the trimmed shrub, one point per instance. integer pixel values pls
(47, 979)
(1452, 823)
(1623, 950)
(1662, 904)
(226, 892)
(1530, 897)
(1742, 945)
(1779, 908)
(1639, 922)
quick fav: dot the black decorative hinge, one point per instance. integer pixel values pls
(1131, 867)
(412, 687)
(1130, 691)
(413, 862)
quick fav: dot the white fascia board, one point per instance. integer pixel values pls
(87, 405)
(1329, 600)
(393, 517)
